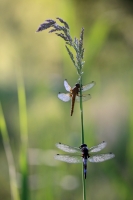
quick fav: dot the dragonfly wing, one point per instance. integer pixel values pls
(101, 157)
(64, 97)
(69, 159)
(67, 148)
(98, 147)
(88, 86)
(84, 97)
(67, 86)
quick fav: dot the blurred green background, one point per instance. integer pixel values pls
(44, 62)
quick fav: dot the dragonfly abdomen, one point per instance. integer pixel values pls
(74, 92)
(72, 106)
(85, 166)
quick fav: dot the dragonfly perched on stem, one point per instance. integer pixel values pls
(83, 154)
(74, 93)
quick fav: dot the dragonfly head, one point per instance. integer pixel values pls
(83, 145)
(77, 85)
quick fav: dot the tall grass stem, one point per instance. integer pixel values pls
(81, 112)
(82, 138)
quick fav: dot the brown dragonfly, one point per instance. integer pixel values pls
(74, 93)
(83, 154)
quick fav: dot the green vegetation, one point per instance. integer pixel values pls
(45, 64)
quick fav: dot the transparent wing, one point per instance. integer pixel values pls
(67, 86)
(64, 97)
(98, 147)
(67, 148)
(101, 157)
(69, 159)
(84, 97)
(88, 86)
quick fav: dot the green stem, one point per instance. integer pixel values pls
(82, 138)
(83, 181)
(81, 111)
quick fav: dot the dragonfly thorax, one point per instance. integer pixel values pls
(85, 151)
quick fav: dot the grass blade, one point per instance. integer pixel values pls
(24, 137)
(9, 155)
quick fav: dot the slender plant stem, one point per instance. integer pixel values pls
(84, 187)
(82, 138)
(81, 111)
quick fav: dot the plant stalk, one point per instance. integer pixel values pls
(82, 138)
(81, 111)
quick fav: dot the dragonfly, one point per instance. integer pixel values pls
(74, 93)
(83, 154)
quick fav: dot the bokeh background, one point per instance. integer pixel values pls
(44, 64)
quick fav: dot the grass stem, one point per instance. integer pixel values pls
(82, 138)
(81, 112)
